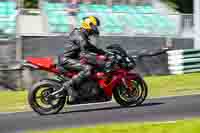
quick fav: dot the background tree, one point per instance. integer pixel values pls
(30, 3)
(183, 6)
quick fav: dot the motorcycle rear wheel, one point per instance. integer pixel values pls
(140, 87)
(45, 87)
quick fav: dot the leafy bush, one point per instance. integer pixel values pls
(183, 6)
(30, 3)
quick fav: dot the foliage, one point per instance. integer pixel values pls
(183, 6)
(30, 3)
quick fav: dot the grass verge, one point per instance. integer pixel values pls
(158, 86)
(182, 126)
(13, 101)
(173, 85)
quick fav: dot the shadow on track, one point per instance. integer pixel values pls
(111, 108)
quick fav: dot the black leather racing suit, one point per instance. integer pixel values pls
(78, 43)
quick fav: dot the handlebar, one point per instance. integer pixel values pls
(162, 51)
(131, 60)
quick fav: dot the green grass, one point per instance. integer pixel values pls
(158, 86)
(13, 101)
(183, 126)
(173, 85)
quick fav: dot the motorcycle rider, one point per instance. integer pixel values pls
(79, 43)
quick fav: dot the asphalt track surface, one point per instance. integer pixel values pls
(163, 109)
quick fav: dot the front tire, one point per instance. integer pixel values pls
(142, 91)
(47, 108)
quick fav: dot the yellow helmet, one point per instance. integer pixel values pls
(91, 23)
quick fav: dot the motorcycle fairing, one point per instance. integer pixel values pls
(45, 62)
(117, 79)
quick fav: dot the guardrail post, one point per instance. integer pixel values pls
(19, 48)
(19, 57)
(26, 78)
(169, 43)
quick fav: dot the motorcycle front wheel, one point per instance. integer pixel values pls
(135, 96)
(40, 102)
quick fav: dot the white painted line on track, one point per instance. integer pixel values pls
(163, 122)
(4, 113)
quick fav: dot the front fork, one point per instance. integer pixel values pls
(125, 83)
(128, 85)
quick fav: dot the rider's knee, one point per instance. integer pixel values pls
(87, 70)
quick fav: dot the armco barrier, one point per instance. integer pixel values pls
(184, 61)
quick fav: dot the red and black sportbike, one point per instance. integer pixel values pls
(123, 83)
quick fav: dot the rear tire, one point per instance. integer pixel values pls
(140, 99)
(34, 104)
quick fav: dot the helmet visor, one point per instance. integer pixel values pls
(95, 30)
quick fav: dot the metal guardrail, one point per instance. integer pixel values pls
(184, 61)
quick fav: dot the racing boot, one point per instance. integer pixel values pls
(72, 84)
(72, 93)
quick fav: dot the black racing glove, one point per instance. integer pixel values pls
(111, 61)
